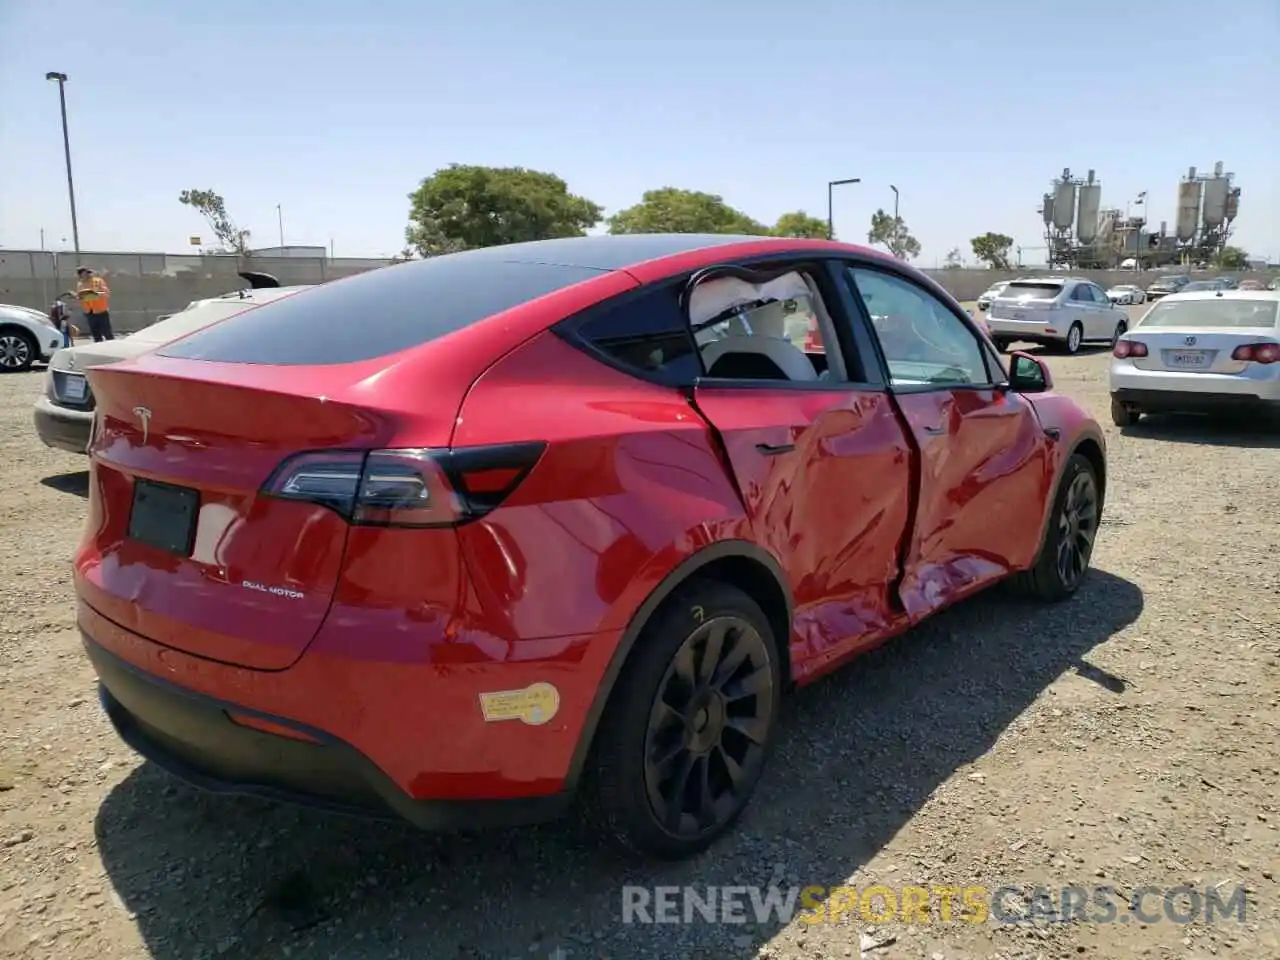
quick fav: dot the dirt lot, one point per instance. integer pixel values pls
(1129, 737)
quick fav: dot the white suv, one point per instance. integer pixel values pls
(1062, 312)
(26, 337)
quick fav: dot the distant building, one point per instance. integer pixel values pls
(290, 252)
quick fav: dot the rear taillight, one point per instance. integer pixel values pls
(1129, 348)
(1257, 353)
(408, 487)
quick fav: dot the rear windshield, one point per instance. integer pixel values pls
(378, 313)
(1202, 285)
(1039, 291)
(1217, 313)
(1169, 282)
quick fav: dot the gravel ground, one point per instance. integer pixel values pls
(1128, 737)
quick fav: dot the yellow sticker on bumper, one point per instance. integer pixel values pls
(534, 705)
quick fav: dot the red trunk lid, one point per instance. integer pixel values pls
(180, 545)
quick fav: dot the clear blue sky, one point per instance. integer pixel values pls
(336, 110)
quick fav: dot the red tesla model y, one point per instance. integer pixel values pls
(464, 540)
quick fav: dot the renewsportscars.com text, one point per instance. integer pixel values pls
(933, 904)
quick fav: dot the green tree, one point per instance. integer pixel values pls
(213, 208)
(891, 232)
(462, 207)
(671, 210)
(1231, 258)
(954, 260)
(800, 224)
(993, 249)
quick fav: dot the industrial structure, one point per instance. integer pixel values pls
(1080, 233)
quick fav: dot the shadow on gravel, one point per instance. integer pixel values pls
(1210, 431)
(859, 755)
(76, 482)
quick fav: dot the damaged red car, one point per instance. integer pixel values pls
(477, 539)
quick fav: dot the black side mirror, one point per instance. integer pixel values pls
(1028, 374)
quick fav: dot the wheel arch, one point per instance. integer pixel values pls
(1090, 445)
(737, 562)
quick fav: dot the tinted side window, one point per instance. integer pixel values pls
(378, 313)
(646, 333)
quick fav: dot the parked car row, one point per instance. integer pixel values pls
(543, 536)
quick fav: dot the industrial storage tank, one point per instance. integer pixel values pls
(1215, 201)
(1188, 209)
(1047, 209)
(1064, 205)
(1087, 218)
(1233, 204)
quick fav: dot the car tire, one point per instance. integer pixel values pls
(18, 351)
(1073, 529)
(1121, 328)
(1123, 414)
(631, 800)
(1002, 344)
(1075, 338)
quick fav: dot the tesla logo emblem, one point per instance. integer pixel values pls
(71, 361)
(143, 414)
(1190, 341)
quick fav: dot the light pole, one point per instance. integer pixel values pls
(280, 221)
(895, 204)
(831, 185)
(61, 79)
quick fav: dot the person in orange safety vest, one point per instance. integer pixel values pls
(94, 296)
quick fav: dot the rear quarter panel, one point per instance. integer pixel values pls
(631, 484)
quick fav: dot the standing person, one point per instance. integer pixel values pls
(94, 297)
(60, 317)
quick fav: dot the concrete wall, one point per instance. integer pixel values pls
(145, 286)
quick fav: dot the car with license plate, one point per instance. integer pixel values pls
(27, 336)
(1061, 312)
(471, 538)
(63, 413)
(1126, 294)
(1167, 285)
(1199, 352)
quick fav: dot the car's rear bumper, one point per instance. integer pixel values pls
(1125, 377)
(194, 738)
(1028, 331)
(62, 428)
(405, 738)
(1170, 401)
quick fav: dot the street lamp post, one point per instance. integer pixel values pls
(61, 79)
(280, 221)
(831, 185)
(895, 204)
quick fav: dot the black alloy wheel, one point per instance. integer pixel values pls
(708, 727)
(1077, 528)
(1063, 561)
(684, 737)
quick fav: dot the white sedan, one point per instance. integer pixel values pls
(1197, 353)
(1127, 294)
